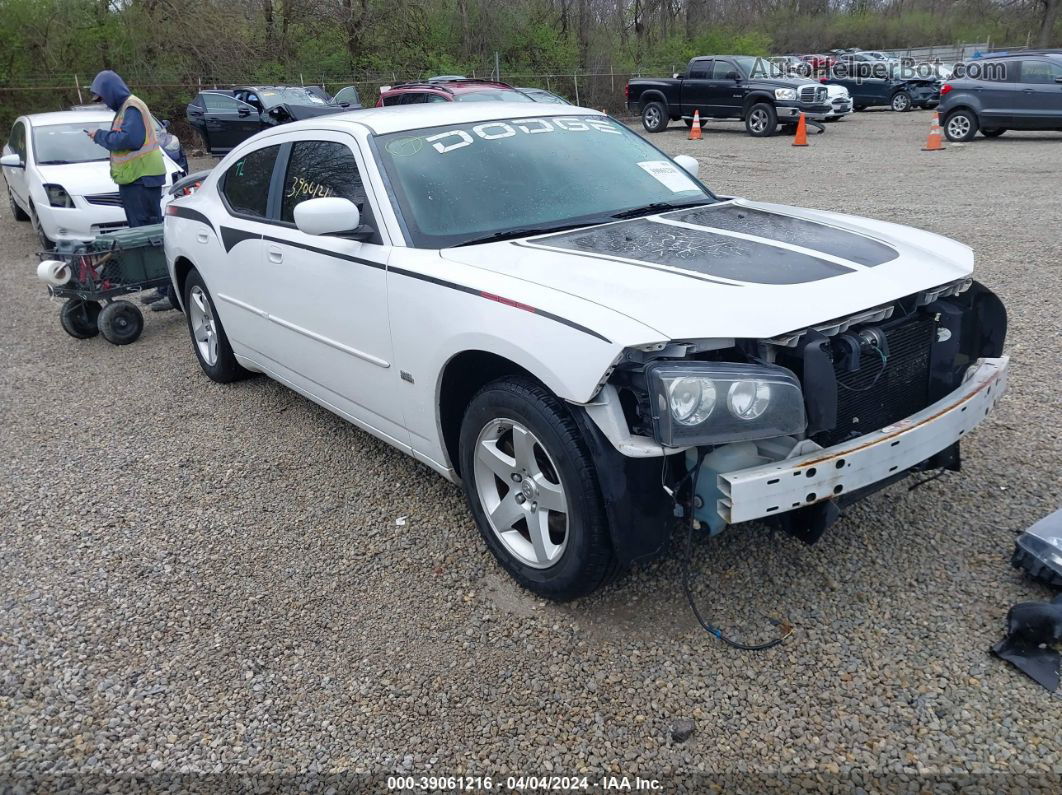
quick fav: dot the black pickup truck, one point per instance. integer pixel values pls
(727, 87)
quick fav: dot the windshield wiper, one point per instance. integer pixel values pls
(55, 162)
(510, 234)
(657, 207)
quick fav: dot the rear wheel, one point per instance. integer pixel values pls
(209, 340)
(901, 102)
(960, 126)
(655, 117)
(78, 318)
(18, 213)
(120, 322)
(532, 489)
(761, 120)
(994, 132)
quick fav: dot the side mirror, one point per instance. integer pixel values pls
(1058, 79)
(331, 215)
(733, 76)
(688, 164)
(12, 161)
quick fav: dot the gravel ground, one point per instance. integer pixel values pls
(200, 578)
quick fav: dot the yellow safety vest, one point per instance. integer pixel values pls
(129, 165)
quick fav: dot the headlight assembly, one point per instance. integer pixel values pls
(699, 403)
(785, 93)
(57, 196)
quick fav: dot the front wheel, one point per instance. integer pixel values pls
(209, 339)
(960, 126)
(901, 102)
(655, 117)
(16, 211)
(532, 489)
(45, 242)
(761, 120)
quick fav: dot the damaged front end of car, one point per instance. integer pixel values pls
(790, 429)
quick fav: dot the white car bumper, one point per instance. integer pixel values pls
(782, 486)
(82, 222)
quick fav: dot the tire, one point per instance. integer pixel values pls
(79, 318)
(993, 132)
(654, 117)
(17, 212)
(120, 322)
(960, 126)
(901, 102)
(209, 341)
(45, 242)
(573, 554)
(761, 121)
(859, 108)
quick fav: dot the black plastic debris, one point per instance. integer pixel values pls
(1039, 550)
(1034, 630)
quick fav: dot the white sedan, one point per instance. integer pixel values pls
(537, 303)
(840, 102)
(60, 180)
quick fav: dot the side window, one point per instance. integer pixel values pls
(246, 186)
(17, 139)
(222, 103)
(393, 99)
(437, 98)
(1039, 72)
(348, 95)
(701, 70)
(721, 69)
(317, 169)
(414, 98)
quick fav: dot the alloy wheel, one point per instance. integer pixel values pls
(958, 127)
(758, 121)
(520, 490)
(652, 116)
(203, 327)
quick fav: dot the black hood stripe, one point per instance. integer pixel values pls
(812, 235)
(698, 251)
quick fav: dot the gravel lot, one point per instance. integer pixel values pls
(204, 578)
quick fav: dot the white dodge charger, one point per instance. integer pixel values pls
(542, 306)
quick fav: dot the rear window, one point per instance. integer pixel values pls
(246, 186)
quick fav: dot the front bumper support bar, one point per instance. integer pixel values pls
(793, 483)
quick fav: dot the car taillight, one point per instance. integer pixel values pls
(627, 91)
(944, 89)
(822, 79)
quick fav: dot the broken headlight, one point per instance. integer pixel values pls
(698, 403)
(57, 196)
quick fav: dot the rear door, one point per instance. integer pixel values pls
(1039, 95)
(227, 121)
(695, 89)
(16, 177)
(999, 91)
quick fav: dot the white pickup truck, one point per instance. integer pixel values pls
(542, 306)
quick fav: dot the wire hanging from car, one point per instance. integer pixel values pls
(710, 628)
(881, 372)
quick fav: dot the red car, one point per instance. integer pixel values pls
(819, 61)
(450, 89)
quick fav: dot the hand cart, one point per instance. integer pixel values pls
(91, 276)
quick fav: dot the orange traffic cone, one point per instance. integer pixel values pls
(935, 142)
(801, 137)
(695, 128)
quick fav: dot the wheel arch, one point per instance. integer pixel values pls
(182, 266)
(653, 95)
(755, 98)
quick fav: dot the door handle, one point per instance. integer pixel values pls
(276, 255)
(202, 237)
(1028, 91)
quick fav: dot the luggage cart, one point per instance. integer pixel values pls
(91, 276)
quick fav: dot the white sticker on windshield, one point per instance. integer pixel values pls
(672, 178)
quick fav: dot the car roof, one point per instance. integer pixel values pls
(396, 118)
(69, 117)
(457, 86)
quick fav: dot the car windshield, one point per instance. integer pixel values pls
(465, 182)
(61, 144)
(492, 95)
(271, 97)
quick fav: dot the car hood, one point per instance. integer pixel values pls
(732, 269)
(80, 179)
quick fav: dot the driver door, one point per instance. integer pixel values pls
(327, 294)
(725, 94)
(348, 97)
(16, 177)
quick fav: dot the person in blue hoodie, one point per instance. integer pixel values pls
(137, 163)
